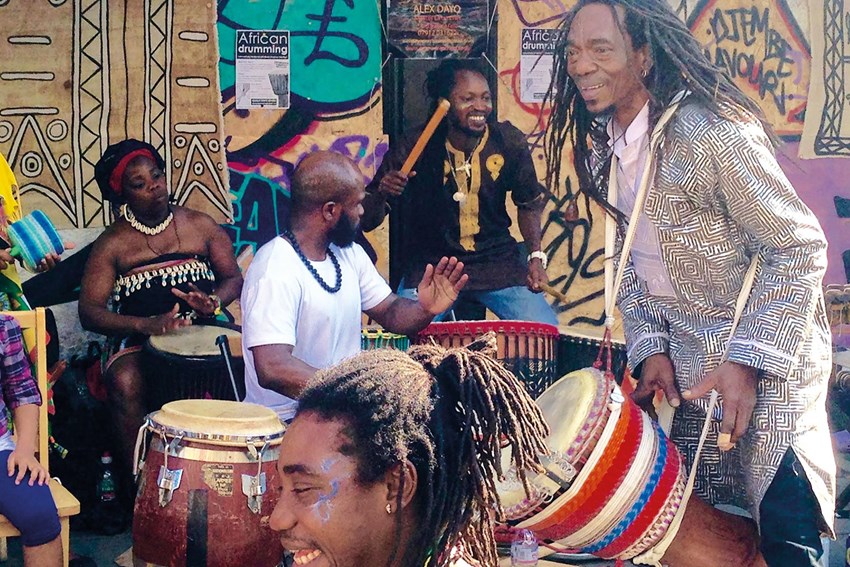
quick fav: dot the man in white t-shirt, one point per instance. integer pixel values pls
(305, 290)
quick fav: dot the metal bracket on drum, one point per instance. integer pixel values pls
(558, 469)
(168, 481)
(255, 486)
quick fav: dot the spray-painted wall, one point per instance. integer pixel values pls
(77, 74)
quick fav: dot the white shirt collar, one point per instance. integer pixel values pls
(636, 130)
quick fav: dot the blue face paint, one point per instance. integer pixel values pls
(324, 503)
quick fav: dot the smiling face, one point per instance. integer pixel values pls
(324, 516)
(471, 103)
(143, 187)
(604, 65)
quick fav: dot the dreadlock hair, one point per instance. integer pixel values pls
(678, 63)
(447, 412)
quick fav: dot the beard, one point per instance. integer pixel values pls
(456, 123)
(344, 232)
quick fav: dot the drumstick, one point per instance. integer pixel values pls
(554, 292)
(442, 107)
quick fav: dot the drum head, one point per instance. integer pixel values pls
(217, 420)
(194, 340)
(566, 405)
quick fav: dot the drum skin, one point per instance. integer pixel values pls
(207, 521)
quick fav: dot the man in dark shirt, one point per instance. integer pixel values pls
(454, 201)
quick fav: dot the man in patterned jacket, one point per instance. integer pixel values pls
(715, 199)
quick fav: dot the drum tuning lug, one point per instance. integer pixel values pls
(168, 481)
(559, 469)
(173, 445)
(254, 487)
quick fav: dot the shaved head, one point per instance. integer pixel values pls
(321, 177)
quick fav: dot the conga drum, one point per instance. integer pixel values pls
(208, 485)
(613, 484)
(527, 349)
(188, 364)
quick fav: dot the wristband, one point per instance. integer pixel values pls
(217, 300)
(540, 255)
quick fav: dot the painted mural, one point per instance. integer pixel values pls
(78, 75)
(335, 102)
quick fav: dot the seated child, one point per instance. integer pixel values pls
(25, 497)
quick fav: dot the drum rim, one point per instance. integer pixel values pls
(174, 432)
(475, 328)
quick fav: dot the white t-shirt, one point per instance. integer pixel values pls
(282, 303)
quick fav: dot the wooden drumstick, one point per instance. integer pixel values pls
(442, 107)
(554, 292)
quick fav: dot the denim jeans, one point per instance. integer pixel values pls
(512, 303)
(790, 516)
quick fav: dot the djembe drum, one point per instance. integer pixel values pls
(526, 348)
(208, 485)
(614, 483)
(188, 364)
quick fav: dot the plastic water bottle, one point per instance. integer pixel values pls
(106, 486)
(108, 513)
(524, 549)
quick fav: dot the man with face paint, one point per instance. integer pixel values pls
(453, 203)
(716, 198)
(305, 290)
(392, 458)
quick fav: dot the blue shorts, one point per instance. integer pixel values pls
(30, 508)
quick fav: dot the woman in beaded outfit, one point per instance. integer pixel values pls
(157, 267)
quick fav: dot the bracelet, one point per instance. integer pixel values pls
(217, 300)
(540, 255)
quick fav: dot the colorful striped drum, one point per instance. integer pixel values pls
(613, 480)
(34, 237)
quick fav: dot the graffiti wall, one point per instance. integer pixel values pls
(766, 46)
(78, 75)
(335, 102)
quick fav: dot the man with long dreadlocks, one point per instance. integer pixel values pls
(716, 197)
(392, 458)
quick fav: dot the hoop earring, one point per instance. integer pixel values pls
(644, 73)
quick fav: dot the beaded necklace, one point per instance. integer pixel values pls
(288, 234)
(143, 228)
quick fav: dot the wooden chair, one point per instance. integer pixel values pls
(66, 503)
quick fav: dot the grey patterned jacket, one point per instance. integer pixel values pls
(719, 197)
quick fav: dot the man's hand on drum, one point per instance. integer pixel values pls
(440, 285)
(656, 374)
(536, 275)
(165, 323)
(736, 384)
(393, 182)
(202, 303)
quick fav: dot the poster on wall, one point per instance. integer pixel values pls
(437, 28)
(262, 69)
(537, 47)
